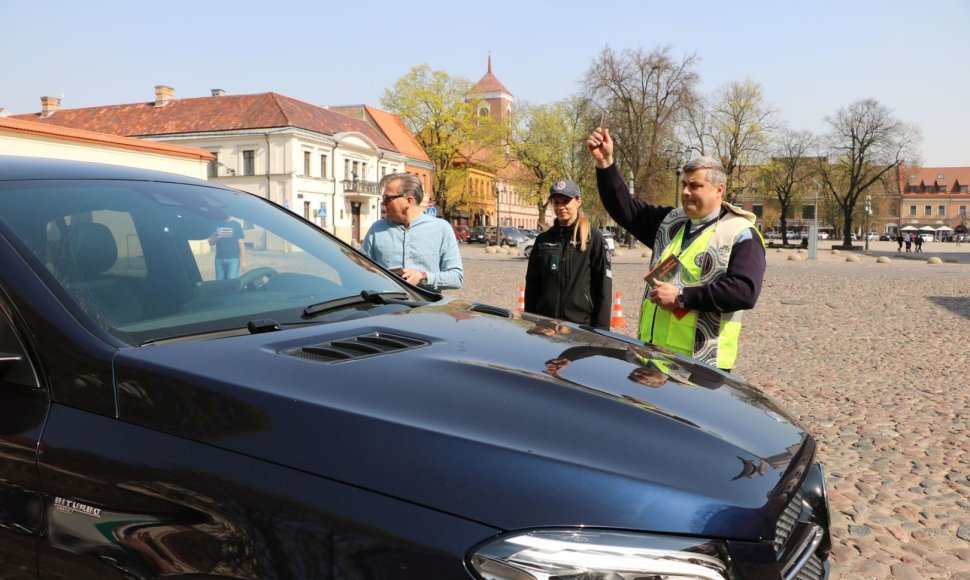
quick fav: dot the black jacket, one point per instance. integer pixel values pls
(565, 283)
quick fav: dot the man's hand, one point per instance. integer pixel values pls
(410, 276)
(664, 294)
(555, 365)
(600, 146)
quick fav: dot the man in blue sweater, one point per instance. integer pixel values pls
(417, 247)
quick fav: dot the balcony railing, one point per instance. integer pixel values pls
(360, 186)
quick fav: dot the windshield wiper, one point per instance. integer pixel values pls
(365, 297)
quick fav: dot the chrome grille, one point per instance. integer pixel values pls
(787, 520)
(813, 570)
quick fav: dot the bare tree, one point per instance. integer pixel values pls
(865, 144)
(642, 96)
(789, 173)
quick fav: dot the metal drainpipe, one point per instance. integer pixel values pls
(333, 195)
(269, 179)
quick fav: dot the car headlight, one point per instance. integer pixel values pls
(598, 555)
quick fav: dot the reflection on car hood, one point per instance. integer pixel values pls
(513, 423)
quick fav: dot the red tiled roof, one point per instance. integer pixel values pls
(211, 114)
(929, 176)
(399, 134)
(490, 83)
(69, 134)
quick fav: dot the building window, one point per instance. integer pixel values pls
(249, 162)
(346, 168)
(892, 210)
(941, 210)
(941, 189)
(928, 210)
(963, 210)
(758, 210)
(912, 210)
(963, 189)
(213, 168)
(912, 189)
(306, 163)
(363, 171)
(323, 166)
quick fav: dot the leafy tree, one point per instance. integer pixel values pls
(789, 173)
(642, 96)
(734, 126)
(548, 142)
(441, 112)
(865, 144)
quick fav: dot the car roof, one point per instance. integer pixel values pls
(13, 168)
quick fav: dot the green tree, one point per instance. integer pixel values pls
(735, 127)
(440, 110)
(865, 144)
(548, 142)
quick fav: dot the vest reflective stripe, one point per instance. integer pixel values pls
(707, 336)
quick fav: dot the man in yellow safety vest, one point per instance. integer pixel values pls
(708, 259)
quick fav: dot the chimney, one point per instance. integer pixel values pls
(3, 112)
(49, 105)
(218, 92)
(163, 95)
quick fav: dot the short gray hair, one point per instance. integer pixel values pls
(410, 185)
(715, 171)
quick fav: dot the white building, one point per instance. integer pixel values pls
(322, 165)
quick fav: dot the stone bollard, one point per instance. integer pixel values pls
(617, 254)
(512, 251)
(852, 258)
(836, 252)
(794, 257)
(934, 260)
(883, 260)
(490, 249)
(646, 254)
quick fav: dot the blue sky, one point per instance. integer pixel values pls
(811, 57)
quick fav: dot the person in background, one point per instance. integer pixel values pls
(417, 247)
(229, 242)
(710, 254)
(569, 276)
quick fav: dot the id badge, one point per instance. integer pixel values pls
(554, 263)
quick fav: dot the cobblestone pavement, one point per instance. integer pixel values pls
(872, 358)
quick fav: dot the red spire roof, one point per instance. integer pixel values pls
(490, 83)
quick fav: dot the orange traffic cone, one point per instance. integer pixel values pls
(520, 303)
(616, 318)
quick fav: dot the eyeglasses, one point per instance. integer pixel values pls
(389, 198)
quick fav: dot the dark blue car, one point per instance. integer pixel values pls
(317, 417)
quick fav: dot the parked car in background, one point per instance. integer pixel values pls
(461, 234)
(927, 237)
(872, 236)
(156, 421)
(823, 235)
(510, 236)
(885, 237)
(608, 239)
(477, 235)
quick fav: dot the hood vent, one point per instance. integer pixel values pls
(493, 310)
(356, 347)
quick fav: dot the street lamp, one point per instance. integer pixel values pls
(676, 159)
(499, 187)
(629, 236)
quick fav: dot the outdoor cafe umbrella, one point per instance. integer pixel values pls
(909, 229)
(928, 229)
(944, 229)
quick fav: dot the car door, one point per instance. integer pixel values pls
(24, 405)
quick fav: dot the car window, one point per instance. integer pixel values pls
(148, 260)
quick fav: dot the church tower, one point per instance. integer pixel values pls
(497, 99)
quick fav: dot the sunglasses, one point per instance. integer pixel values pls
(389, 198)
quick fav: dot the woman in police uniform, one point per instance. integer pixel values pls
(569, 275)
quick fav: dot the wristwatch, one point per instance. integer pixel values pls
(680, 297)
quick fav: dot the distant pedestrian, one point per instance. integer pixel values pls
(907, 239)
(899, 240)
(919, 242)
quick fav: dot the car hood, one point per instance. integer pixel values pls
(514, 423)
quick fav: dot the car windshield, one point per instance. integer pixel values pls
(148, 261)
(511, 231)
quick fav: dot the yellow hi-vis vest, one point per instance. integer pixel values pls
(711, 337)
